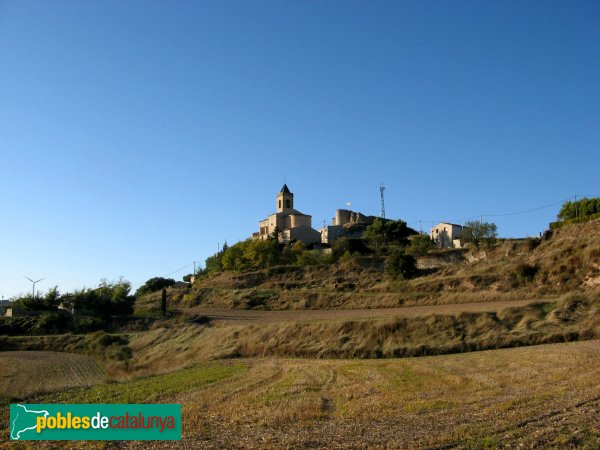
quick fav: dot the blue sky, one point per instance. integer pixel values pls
(136, 136)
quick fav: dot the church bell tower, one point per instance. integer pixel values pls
(285, 199)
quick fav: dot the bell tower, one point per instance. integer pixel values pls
(285, 199)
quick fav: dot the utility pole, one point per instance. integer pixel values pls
(381, 189)
(420, 227)
(34, 282)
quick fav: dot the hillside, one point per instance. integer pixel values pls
(510, 270)
(520, 292)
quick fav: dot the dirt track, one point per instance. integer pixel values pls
(244, 316)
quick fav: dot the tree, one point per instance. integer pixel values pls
(388, 231)
(163, 301)
(419, 245)
(47, 302)
(580, 208)
(276, 234)
(345, 245)
(478, 232)
(400, 265)
(108, 299)
(154, 285)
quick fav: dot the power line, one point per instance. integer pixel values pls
(514, 213)
(180, 269)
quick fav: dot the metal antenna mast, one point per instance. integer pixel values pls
(36, 281)
(381, 189)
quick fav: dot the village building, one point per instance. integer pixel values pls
(447, 235)
(346, 223)
(291, 224)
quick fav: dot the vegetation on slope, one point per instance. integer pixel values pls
(508, 270)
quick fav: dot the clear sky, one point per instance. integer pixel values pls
(137, 135)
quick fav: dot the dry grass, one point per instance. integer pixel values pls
(26, 373)
(512, 270)
(177, 345)
(545, 396)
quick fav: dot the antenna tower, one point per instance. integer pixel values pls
(381, 189)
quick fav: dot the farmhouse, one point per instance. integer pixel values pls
(447, 234)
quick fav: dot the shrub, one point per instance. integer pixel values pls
(401, 265)
(419, 245)
(525, 273)
(349, 245)
(313, 258)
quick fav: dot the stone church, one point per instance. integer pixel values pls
(293, 225)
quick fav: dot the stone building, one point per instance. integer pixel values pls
(291, 223)
(346, 223)
(447, 234)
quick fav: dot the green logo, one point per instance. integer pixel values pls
(95, 422)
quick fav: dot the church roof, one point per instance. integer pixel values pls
(285, 190)
(290, 212)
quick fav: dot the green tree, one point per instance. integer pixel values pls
(163, 301)
(262, 254)
(580, 208)
(419, 245)
(388, 231)
(477, 232)
(400, 265)
(108, 299)
(154, 285)
(345, 245)
(376, 232)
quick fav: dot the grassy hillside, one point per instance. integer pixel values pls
(510, 270)
(177, 344)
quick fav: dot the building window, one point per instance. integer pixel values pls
(288, 203)
(279, 204)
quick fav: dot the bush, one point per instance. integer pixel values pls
(52, 322)
(526, 273)
(313, 258)
(401, 265)
(419, 245)
(349, 245)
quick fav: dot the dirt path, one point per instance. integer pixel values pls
(244, 316)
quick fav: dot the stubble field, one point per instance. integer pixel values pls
(545, 395)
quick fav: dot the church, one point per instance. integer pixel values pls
(291, 223)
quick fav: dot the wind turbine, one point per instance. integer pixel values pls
(37, 281)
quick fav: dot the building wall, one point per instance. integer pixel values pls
(446, 234)
(302, 233)
(331, 233)
(300, 221)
